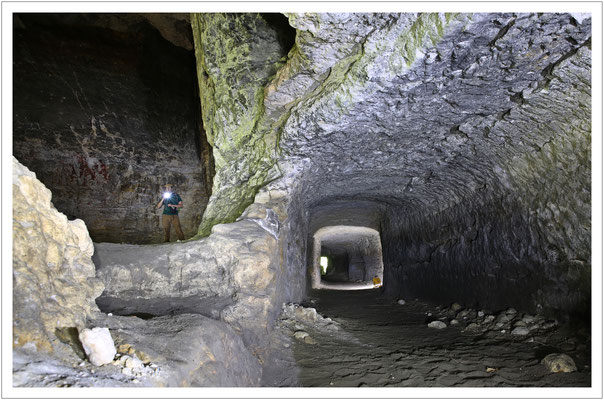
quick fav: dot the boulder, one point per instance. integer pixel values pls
(558, 362)
(54, 285)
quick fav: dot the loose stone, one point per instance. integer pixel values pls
(520, 331)
(98, 345)
(437, 325)
(558, 362)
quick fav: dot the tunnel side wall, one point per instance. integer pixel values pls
(527, 243)
(105, 116)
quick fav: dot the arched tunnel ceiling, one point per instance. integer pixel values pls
(346, 237)
(425, 111)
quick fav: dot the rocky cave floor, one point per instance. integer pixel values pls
(358, 338)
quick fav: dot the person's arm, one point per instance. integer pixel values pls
(160, 203)
(179, 205)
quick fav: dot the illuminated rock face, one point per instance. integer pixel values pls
(53, 275)
(465, 138)
(106, 113)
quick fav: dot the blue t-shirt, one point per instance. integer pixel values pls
(173, 199)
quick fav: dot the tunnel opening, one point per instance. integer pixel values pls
(347, 258)
(106, 112)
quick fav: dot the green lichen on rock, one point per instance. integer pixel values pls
(248, 89)
(237, 54)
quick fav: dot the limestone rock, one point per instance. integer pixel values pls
(455, 307)
(520, 331)
(437, 325)
(300, 335)
(98, 345)
(54, 283)
(558, 362)
(86, 158)
(189, 350)
(401, 302)
(231, 275)
(473, 326)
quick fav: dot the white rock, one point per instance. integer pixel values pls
(98, 345)
(429, 314)
(401, 302)
(511, 311)
(454, 322)
(480, 314)
(437, 325)
(520, 331)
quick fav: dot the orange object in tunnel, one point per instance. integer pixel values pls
(377, 280)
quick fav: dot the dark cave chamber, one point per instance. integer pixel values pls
(106, 111)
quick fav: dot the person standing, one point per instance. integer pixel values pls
(171, 202)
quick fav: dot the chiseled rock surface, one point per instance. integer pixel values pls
(187, 350)
(469, 132)
(54, 284)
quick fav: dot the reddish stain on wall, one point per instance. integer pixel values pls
(85, 172)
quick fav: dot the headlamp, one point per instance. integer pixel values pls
(167, 195)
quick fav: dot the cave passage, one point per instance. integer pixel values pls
(353, 255)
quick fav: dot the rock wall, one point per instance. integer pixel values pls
(526, 244)
(106, 112)
(54, 284)
(237, 56)
(235, 275)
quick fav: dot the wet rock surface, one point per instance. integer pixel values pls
(379, 343)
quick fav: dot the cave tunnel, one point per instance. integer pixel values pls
(325, 154)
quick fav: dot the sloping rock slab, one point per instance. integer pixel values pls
(190, 349)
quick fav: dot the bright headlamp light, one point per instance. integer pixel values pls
(167, 195)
